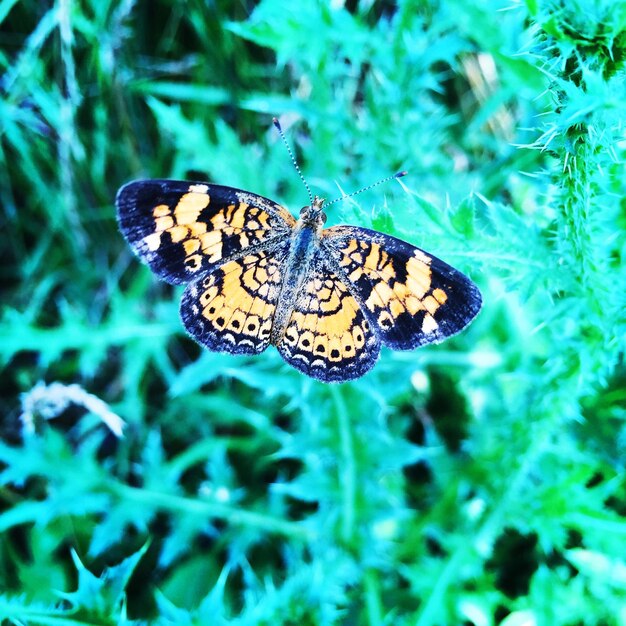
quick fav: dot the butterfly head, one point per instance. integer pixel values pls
(313, 214)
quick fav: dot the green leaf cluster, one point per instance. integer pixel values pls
(477, 482)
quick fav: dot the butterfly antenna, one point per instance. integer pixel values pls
(380, 182)
(293, 158)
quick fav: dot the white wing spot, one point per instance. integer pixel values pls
(198, 188)
(152, 241)
(429, 324)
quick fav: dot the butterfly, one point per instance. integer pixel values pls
(328, 299)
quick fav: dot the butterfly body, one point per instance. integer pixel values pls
(328, 299)
(303, 244)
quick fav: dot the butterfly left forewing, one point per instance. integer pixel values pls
(183, 229)
(411, 297)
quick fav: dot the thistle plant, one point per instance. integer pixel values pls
(479, 482)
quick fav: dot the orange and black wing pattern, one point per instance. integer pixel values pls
(328, 336)
(410, 297)
(231, 308)
(184, 229)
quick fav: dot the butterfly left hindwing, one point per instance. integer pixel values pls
(183, 229)
(231, 308)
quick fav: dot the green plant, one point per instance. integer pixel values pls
(480, 481)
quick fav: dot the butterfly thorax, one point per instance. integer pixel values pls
(304, 242)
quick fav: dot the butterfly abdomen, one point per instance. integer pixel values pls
(304, 243)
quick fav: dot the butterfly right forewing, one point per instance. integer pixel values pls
(411, 297)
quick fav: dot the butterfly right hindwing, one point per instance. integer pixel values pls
(327, 335)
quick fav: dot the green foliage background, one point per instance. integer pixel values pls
(478, 482)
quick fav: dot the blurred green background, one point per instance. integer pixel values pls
(477, 482)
